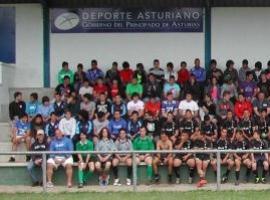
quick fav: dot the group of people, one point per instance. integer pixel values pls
(124, 110)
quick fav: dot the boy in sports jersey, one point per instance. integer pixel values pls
(188, 124)
(202, 159)
(166, 158)
(247, 125)
(144, 143)
(263, 124)
(184, 143)
(169, 105)
(259, 159)
(230, 124)
(209, 128)
(51, 127)
(170, 127)
(226, 159)
(85, 160)
(21, 134)
(240, 143)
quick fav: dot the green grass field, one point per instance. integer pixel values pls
(194, 195)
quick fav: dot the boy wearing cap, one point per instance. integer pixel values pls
(40, 144)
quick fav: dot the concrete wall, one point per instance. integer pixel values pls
(29, 46)
(239, 33)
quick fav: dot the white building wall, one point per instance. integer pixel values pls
(29, 46)
(132, 47)
(239, 33)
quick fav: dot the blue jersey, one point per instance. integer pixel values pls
(50, 128)
(122, 108)
(22, 128)
(63, 144)
(133, 128)
(169, 106)
(32, 108)
(94, 74)
(115, 126)
(84, 127)
(59, 108)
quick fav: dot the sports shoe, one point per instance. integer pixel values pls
(50, 185)
(35, 184)
(190, 180)
(199, 184)
(203, 181)
(236, 183)
(107, 179)
(11, 159)
(257, 180)
(224, 179)
(177, 181)
(263, 180)
(116, 182)
(128, 181)
(156, 178)
(80, 185)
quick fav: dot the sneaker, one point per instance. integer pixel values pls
(128, 181)
(190, 180)
(236, 183)
(263, 180)
(80, 185)
(203, 181)
(257, 180)
(50, 185)
(224, 179)
(199, 184)
(116, 182)
(156, 178)
(35, 184)
(107, 179)
(177, 181)
(11, 159)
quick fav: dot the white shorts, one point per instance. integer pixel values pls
(61, 161)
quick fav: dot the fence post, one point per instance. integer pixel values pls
(44, 172)
(218, 170)
(134, 169)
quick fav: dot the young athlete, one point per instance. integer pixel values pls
(226, 159)
(164, 143)
(104, 161)
(209, 128)
(230, 124)
(21, 134)
(188, 124)
(85, 160)
(240, 143)
(247, 125)
(144, 143)
(170, 127)
(184, 143)
(122, 143)
(259, 159)
(202, 159)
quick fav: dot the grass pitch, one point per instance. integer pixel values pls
(193, 195)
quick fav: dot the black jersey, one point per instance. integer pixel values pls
(169, 128)
(202, 144)
(209, 129)
(152, 127)
(186, 146)
(229, 125)
(222, 144)
(257, 145)
(188, 126)
(247, 125)
(263, 126)
(241, 145)
(104, 107)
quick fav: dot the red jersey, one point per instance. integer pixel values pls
(240, 107)
(152, 108)
(126, 76)
(114, 90)
(183, 76)
(98, 89)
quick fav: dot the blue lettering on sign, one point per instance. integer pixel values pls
(93, 20)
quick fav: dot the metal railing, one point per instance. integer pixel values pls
(134, 153)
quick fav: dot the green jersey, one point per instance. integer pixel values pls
(131, 89)
(63, 73)
(145, 143)
(87, 146)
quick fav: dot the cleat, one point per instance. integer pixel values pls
(263, 180)
(177, 181)
(156, 178)
(116, 182)
(224, 179)
(257, 180)
(80, 185)
(128, 182)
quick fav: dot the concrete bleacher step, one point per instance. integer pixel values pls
(7, 146)
(5, 131)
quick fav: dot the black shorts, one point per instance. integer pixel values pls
(203, 157)
(259, 158)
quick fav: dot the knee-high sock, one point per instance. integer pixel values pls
(80, 176)
(115, 172)
(237, 174)
(87, 175)
(176, 171)
(129, 172)
(149, 171)
(191, 172)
